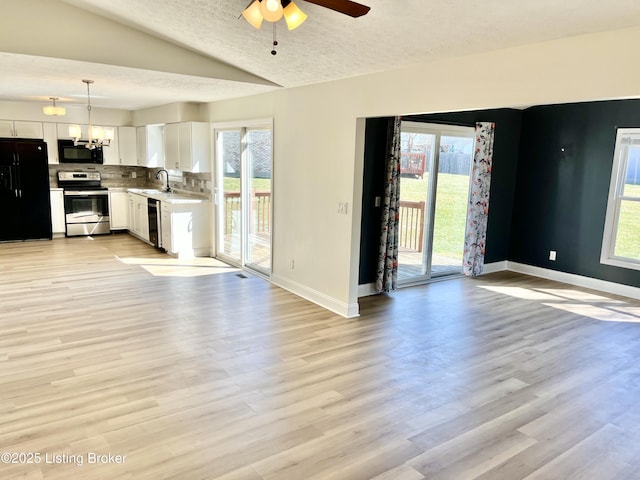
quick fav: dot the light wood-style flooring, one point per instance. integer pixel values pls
(192, 372)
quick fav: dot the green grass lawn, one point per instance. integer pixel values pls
(233, 184)
(628, 239)
(451, 210)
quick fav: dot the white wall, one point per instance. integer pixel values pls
(318, 138)
(172, 112)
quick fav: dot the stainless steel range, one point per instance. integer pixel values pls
(86, 203)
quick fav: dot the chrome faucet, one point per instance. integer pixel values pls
(167, 188)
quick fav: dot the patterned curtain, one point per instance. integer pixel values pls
(478, 211)
(388, 258)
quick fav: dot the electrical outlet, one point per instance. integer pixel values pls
(552, 255)
(134, 175)
(291, 264)
(343, 207)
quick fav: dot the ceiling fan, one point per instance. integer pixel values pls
(346, 7)
(274, 10)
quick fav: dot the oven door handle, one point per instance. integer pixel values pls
(85, 193)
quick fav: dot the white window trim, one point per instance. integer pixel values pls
(616, 186)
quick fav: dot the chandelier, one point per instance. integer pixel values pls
(98, 137)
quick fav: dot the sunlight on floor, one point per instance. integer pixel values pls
(179, 267)
(524, 293)
(594, 306)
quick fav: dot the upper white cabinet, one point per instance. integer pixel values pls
(172, 146)
(150, 146)
(111, 154)
(63, 131)
(127, 146)
(50, 135)
(188, 146)
(20, 129)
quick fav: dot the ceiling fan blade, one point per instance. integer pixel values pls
(347, 7)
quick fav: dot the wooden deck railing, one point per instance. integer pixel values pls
(411, 225)
(411, 218)
(261, 208)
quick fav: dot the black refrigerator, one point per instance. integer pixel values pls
(24, 190)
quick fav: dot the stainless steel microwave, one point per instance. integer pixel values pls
(70, 153)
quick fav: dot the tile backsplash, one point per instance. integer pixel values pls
(121, 176)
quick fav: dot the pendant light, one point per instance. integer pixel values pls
(53, 109)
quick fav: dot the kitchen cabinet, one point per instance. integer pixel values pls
(50, 135)
(118, 209)
(185, 228)
(188, 146)
(139, 216)
(57, 211)
(63, 131)
(150, 146)
(110, 154)
(127, 146)
(20, 129)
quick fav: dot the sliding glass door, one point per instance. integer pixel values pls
(229, 205)
(243, 196)
(257, 199)
(434, 190)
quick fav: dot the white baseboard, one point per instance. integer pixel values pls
(367, 289)
(494, 267)
(577, 280)
(341, 308)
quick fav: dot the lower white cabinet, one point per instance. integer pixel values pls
(139, 216)
(58, 224)
(185, 228)
(119, 210)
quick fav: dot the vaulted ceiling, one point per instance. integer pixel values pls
(143, 53)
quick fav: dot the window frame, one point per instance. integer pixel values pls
(615, 198)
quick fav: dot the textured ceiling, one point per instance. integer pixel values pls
(328, 46)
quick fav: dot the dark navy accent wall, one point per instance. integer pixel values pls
(562, 186)
(503, 176)
(375, 143)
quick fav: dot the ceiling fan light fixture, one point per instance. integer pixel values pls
(294, 16)
(271, 10)
(252, 14)
(53, 109)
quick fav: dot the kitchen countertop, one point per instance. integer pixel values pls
(172, 198)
